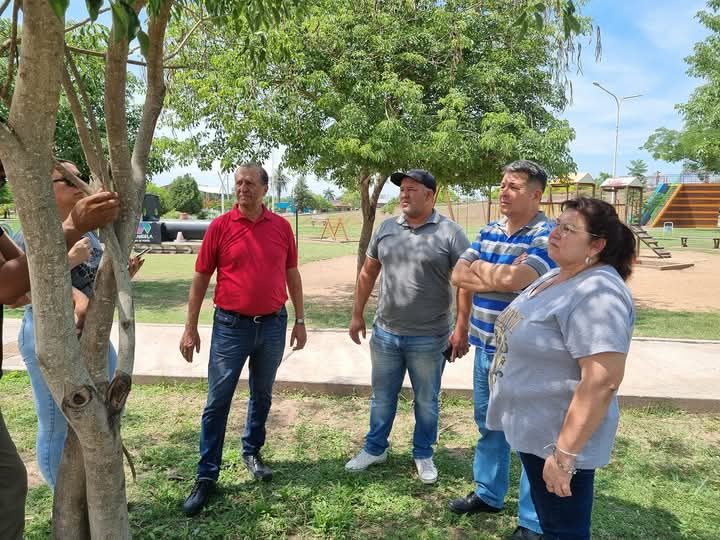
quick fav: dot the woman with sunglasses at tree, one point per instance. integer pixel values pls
(561, 351)
(84, 260)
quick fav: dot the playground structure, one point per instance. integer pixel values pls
(581, 184)
(329, 231)
(625, 193)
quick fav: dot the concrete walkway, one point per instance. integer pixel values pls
(683, 373)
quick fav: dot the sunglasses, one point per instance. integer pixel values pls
(82, 176)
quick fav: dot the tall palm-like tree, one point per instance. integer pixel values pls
(329, 194)
(281, 181)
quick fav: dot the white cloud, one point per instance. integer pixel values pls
(672, 26)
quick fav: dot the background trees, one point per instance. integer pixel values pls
(184, 194)
(356, 89)
(697, 145)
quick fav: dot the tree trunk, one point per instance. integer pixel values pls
(368, 207)
(90, 493)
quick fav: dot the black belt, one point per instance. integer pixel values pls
(253, 318)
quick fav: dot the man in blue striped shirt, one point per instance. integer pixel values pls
(506, 257)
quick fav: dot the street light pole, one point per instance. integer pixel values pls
(618, 102)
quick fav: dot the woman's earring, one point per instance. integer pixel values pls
(589, 260)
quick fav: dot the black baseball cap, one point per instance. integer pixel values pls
(419, 175)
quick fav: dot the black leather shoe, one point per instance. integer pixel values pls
(523, 533)
(198, 497)
(257, 468)
(471, 504)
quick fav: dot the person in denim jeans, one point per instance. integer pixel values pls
(416, 253)
(84, 258)
(92, 212)
(254, 254)
(506, 257)
(561, 348)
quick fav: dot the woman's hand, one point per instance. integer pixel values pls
(80, 252)
(80, 306)
(135, 264)
(557, 480)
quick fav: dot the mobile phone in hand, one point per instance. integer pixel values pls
(447, 354)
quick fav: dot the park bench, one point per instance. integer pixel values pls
(684, 241)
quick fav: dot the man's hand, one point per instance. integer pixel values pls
(135, 264)
(79, 253)
(81, 303)
(298, 337)
(520, 259)
(95, 211)
(459, 342)
(357, 327)
(189, 343)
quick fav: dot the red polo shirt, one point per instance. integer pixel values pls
(251, 259)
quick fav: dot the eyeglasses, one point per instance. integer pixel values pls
(65, 181)
(567, 228)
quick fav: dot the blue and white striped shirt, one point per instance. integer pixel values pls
(495, 246)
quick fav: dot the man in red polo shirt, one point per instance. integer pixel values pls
(254, 253)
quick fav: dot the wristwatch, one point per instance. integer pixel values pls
(299, 321)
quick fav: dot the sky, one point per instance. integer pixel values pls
(644, 44)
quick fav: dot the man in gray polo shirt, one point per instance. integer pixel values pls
(411, 332)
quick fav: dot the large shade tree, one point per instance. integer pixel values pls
(369, 87)
(43, 68)
(697, 144)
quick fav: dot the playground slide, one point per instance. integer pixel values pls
(655, 202)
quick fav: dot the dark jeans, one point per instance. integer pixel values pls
(13, 488)
(234, 339)
(561, 518)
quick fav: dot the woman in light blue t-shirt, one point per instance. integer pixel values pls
(561, 350)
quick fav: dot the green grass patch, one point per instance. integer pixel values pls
(698, 239)
(677, 324)
(660, 485)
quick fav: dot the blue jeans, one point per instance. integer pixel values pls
(391, 356)
(234, 339)
(562, 518)
(491, 467)
(52, 425)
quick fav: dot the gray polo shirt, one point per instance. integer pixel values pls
(415, 292)
(535, 371)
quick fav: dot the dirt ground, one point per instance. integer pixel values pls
(691, 289)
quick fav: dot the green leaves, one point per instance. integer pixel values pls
(93, 7)
(59, 7)
(126, 25)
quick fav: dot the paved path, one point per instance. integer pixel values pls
(684, 373)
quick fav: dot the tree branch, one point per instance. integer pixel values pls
(101, 169)
(154, 95)
(81, 23)
(13, 50)
(185, 39)
(126, 310)
(91, 154)
(100, 54)
(4, 6)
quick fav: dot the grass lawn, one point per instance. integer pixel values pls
(677, 324)
(698, 239)
(662, 483)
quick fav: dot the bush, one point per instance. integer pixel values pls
(185, 195)
(163, 195)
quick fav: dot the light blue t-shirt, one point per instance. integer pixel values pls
(535, 370)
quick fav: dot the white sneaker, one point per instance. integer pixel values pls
(363, 460)
(426, 470)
